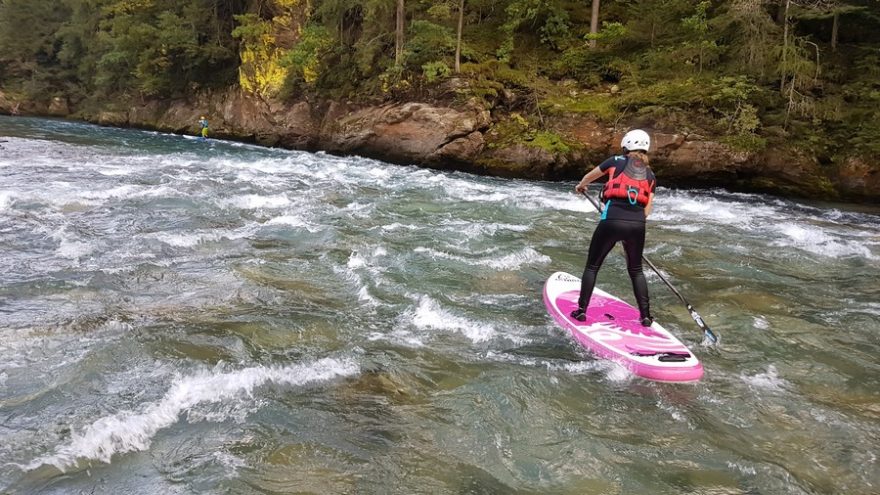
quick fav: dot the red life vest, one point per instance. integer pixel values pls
(621, 185)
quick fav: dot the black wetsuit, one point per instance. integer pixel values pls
(624, 222)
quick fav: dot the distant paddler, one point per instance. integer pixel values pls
(203, 123)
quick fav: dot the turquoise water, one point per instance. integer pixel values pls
(187, 317)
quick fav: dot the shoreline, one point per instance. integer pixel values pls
(472, 138)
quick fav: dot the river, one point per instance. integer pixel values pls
(179, 317)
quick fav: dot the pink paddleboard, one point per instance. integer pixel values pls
(613, 331)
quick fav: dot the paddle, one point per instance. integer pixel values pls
(710, 335)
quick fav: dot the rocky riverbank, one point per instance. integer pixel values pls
(470, 137)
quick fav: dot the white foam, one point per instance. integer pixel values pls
(440, 254)
(54, 346)
(256, 201)
(611, 370)
(364, 296)
(193, 238)
(123, 191)
(429, 315)
(5, 199)
(516, 260)
(555, 202)
(290, 220)
(60, 194)
(296, 221)
(115, 171)
(379, 173)
(819, 233)
(265, 165)
(747, 470)
(184, 240)
(495, 197)
(466, 190)
(689, 229)
(819, 241)
(359, 210)
(766, 381)
(399, 337)
(673, 412)
(74, 249)
(682, 208)
(230, 463)
(397, 226)
(130, 431)
(159, 192)
(760, 323)
(511, 261)
(474, 229)
(355, 260)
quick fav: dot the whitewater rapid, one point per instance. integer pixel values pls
(180, 316)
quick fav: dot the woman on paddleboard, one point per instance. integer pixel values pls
(627, 199)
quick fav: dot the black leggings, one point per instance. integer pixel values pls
(607, 234)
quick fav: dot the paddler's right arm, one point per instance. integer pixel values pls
(591, 176)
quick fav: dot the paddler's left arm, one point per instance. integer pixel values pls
(650, 206)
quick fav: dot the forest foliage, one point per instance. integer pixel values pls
(754, 72)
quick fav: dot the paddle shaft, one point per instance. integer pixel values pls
(693, 312)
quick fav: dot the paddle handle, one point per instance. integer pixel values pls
(710, 335)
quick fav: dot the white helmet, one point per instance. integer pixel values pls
(636, 139)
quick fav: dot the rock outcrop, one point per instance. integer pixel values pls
(857, 179)
(408, 133)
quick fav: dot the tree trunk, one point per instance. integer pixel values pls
(818, 67)
(784, 67)
(594, 22)
(458, 40)
(834, 28)
(790, 103)
(398, 40)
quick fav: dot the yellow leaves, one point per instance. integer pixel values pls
(260, 71)
(310, 73)
(519, 119)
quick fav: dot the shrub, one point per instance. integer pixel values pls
(436, 71)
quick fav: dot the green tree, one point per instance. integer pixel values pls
(79, 48)
(655, 22)
(700, 39)
(364, 33)
(307, 58)
(550, 18)
(449, 11)
(28, 47)
(753, 34)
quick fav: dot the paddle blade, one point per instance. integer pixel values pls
(710, 335)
